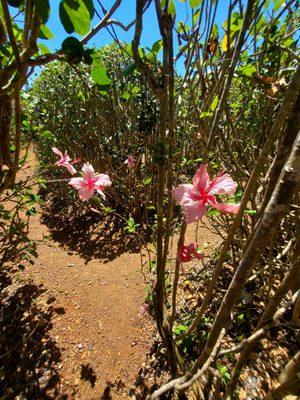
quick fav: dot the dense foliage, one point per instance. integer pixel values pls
(126, 125)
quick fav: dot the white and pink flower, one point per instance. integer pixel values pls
(64, 160)
(195, 197)
(90, 182)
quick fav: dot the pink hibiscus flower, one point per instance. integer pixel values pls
(186, 253)
(90, 182)
(64, 160)
(130, 162)
(195, 197)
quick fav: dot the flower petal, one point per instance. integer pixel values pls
(194, 211)
(102, 180)
(85, 194)
(185, 193)
(101, 193)
(184, 254)
(70, 168)
(223, 207)
(67, 157)
(222, 184)
(77, 183)
(88, 171)
(58, 152)
(201, 178)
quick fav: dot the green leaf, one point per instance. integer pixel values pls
(147, 181)
(72, 48)
(42, 8)
(78, 14)
(206, 114)
(278, 4)
(99, 74)
(90, 6)
(214, 103)
(195, 3)
(45, 33)
(182, 27)
(44, 49)
(157, 46)
(248, 69)
(65, 19)
(171, 7)
(89, 55)
(47, 135)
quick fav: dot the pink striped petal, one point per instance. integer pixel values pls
(102, 180)
(88, 171)
(201, 178)
(77, 183)
(85, 194)
(70, 168)
(222, 184)
(58, 152)
(194, 211)
(223, 207)
(185, 193)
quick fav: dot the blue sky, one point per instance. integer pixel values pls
(125, 14)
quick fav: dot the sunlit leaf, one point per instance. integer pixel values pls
(44, 49)
(99, 74)
(45, 33)
(214, 103)
(195, 3)
(76, 12)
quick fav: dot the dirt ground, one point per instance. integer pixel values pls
(73, 325)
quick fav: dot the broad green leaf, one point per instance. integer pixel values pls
(72, 48)
(195, 3)
(157, 46)
(45, 33)
(78, 14)
(42, 8)
(90, 6)
(171, 7)
(47, 135)
(65, 19)
(248, 69)
(99, 74)
(44, 49)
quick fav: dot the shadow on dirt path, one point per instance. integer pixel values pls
(89, 234)
(29, 356)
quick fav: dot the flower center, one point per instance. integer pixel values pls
(91, 183)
